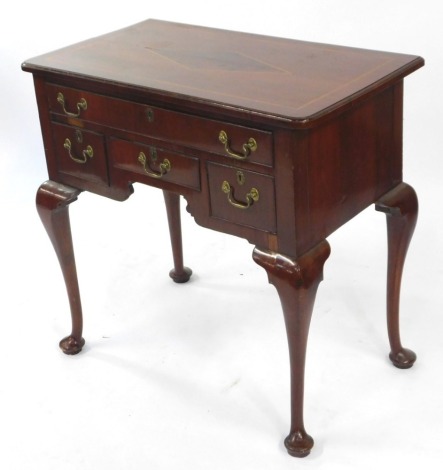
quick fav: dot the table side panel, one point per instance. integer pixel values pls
(291, 197)
(352, 160)
(46, 127)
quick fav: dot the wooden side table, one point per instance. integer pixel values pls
(277, 141)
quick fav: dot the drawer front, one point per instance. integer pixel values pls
(219, 137)
(242, 197)
(151, 163)
(80, 153)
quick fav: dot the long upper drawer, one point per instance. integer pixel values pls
(233, 141)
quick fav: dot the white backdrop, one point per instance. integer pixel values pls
(196, 376)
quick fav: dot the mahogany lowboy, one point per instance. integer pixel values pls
(277, 141)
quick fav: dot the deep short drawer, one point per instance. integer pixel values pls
(242, 197)
(80, 153)
(150, 163)
(216, 136)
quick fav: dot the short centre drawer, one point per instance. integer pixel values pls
(149, 163)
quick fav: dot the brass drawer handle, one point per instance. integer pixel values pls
(88, 152)
(165, 166)
(251, 197)
(248, 147)
(82, 105)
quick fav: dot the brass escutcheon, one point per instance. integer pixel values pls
(79, 136)
(241, 178)
(150, 115)
(248, 147)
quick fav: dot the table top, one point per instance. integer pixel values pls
(296, 81)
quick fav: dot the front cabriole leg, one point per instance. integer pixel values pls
(401, 208)
(52, 202)
(296, 281)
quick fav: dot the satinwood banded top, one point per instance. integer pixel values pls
(295, 82)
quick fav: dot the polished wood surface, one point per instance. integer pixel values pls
(277, 141)
(401, 208)
(53, 208)
(296, 80)
(180, 273)
(296, 282)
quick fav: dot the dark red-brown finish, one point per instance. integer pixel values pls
(277, 141)
(296, 282)
(401, 208)
(180, 273)
(53, 208)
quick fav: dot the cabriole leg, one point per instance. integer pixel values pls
(52, 202)
(401, 208)
(296, 281)
(180, 273)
